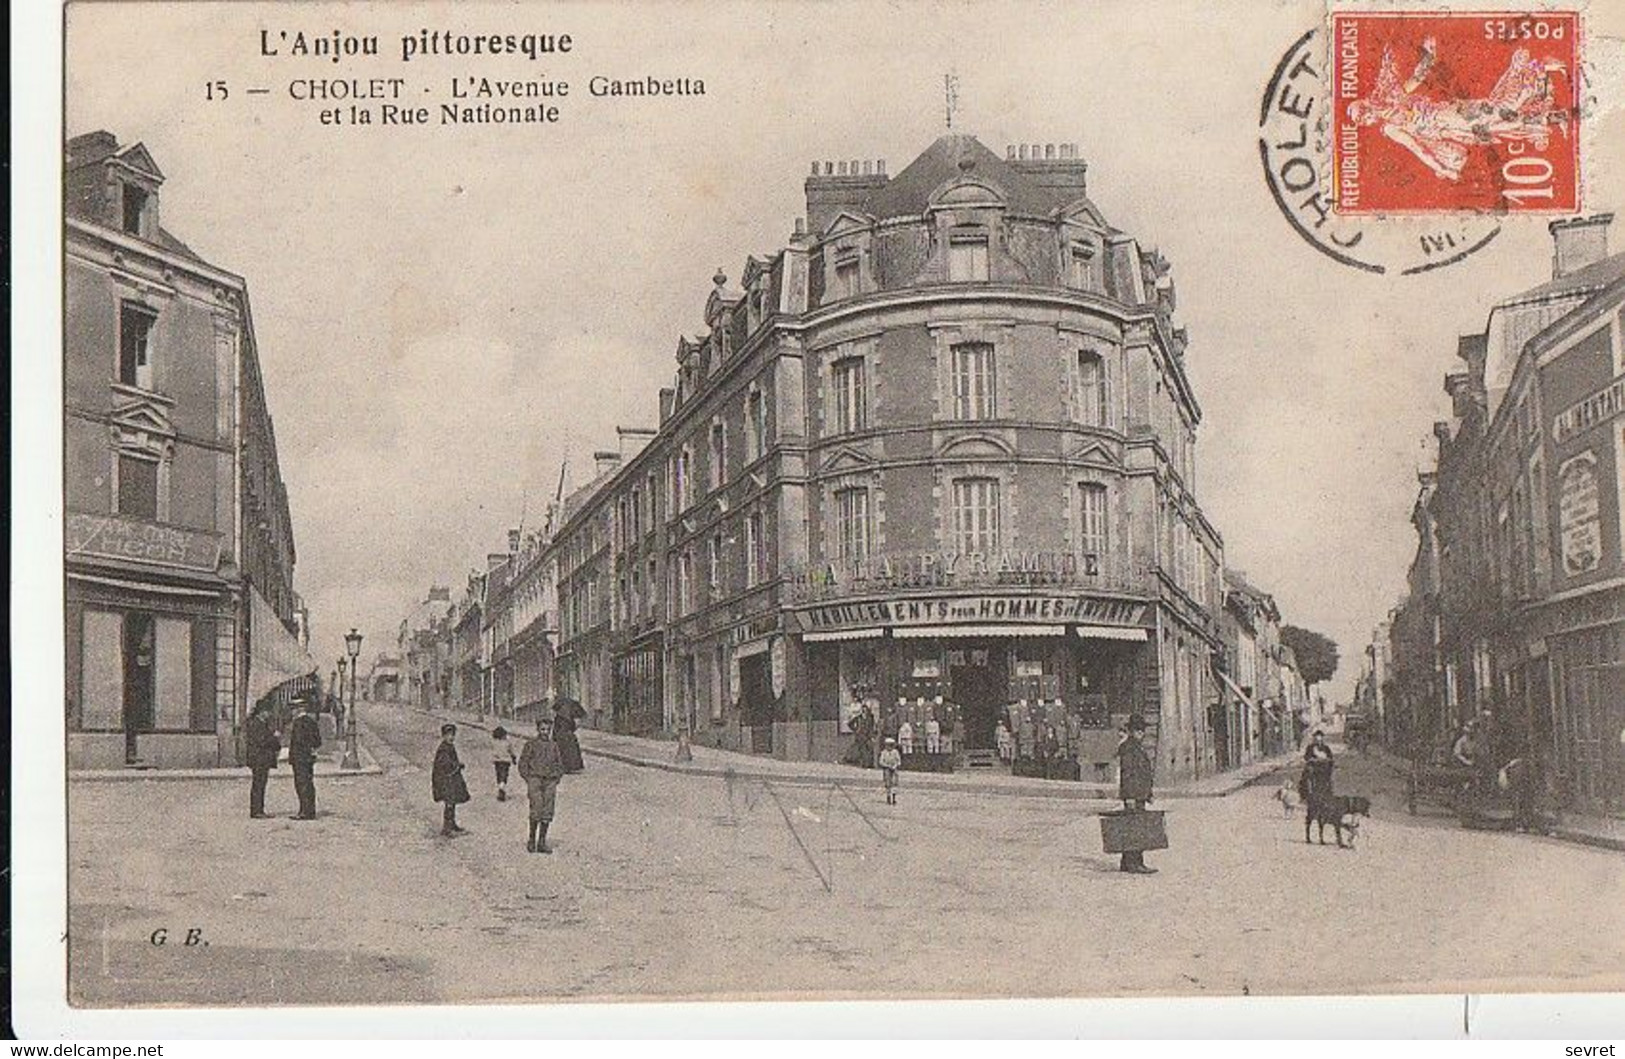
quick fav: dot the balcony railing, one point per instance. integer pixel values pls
(913, 572)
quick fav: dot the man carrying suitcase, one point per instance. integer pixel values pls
(1134, 787)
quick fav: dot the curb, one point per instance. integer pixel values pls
(324, 770)
(1061, 791)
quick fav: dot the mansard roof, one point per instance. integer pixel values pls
(952, 159)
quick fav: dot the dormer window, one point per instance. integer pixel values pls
(1082, 270)
(967, 257)
(846, 275)
(135, 208)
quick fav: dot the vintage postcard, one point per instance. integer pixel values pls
(569, 502)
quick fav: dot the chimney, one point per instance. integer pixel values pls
(1056, 167)
(668, 402)
(513, 541)
(632, 441)
(1578, 242)
(837, 186)
(494, 560)
(606, 461)
(440, 594)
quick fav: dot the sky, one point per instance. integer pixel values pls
(445, 315)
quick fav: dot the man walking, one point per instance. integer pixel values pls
(1134, 787)
(304, 736)
(541, 767)
(262, 748)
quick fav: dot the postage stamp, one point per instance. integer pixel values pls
(1456, 112)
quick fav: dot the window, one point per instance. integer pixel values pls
(138, 487)
(852, 524)
(685, 468)
(654, 586)
(685, 583)
(135, 345)
(719, 455)
(755, 553)
(846, 277)
(976, 515)
(1093, 532)
(756, 426)
(967, 258)
(851, 408)
(624, 529)
(135, 205)
(1094, 394)
(719, 578)
(1081, 272)
(973, 381)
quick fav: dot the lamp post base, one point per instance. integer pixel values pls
(351, 761)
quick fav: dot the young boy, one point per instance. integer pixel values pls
(890, 761)
(541, 767)
(502, 756)
(447, 781)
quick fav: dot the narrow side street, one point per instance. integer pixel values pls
(672, 886)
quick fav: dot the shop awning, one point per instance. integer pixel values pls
(146, 586)
(933, 631)
(826, 635)
(275, 656)
(1235, 688)
(1112, 632)
(754, 647)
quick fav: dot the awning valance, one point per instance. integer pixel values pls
(958, 631)
(827, 635)
(1235, 688)
(754, 647)
(1112, 632)
(275, 655)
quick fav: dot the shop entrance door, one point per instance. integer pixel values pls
(756, 701)
(979, 690)
(139, 684)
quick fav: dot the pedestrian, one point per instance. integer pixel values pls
(446, 780)
(541, 767)
(304, 736)
(933, 734)
(503, 756)
(566, 714)
(890, 761)
(262, 749)
(1316, 782)
(1005, 742)
(1134, 775)
(905, 737)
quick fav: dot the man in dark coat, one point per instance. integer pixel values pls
(304, 736)
(446, 780)
(262, 746)
(1134, 774)
(1316, 782)
(541, 767)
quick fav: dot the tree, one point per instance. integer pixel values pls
(1317, 655)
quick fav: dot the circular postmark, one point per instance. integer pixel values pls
(1294, 145)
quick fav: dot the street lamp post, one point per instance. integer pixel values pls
(352, 756)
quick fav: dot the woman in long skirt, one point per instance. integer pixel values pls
(566, 712)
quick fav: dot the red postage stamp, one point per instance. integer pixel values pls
(1451, 112)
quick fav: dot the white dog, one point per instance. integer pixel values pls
(1287, 795)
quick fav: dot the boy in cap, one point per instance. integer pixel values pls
(446, 781)
(541, 766)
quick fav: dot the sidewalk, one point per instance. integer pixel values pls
(1605, 832)
(661, 754)
(327, 764)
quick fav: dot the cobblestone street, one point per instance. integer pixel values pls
(667, 886)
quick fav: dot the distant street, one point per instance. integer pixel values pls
(669, 886)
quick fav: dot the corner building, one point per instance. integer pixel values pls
(936, 457)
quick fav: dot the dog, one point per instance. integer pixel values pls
(1341, 812)
(1287, 795)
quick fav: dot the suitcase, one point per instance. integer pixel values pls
(1133, 830)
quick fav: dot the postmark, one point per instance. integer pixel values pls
(1295, 147)
(1439, 112)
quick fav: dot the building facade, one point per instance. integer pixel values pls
(1521, 520)
(179, 547)
(935, 457)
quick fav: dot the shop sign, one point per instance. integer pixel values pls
(778, 661)
(1598, 408)
(1579, 526)
(945, 570)
(958, 610)
(758, 628)
(111, 537)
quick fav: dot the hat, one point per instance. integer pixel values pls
(890, 741)
(1136, 724)
(448, 729)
